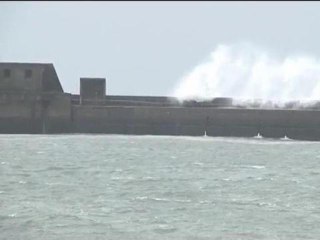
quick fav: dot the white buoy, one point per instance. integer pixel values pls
(205, 134)
(258, 136)
(285, 138)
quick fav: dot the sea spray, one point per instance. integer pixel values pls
(251, 75)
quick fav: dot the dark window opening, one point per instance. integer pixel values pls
(28, 73)
(6, 73)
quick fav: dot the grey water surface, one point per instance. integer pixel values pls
(158, 187)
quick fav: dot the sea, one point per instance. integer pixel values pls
(87, 187)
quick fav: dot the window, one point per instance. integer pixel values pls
(6, 73)
(28, 73)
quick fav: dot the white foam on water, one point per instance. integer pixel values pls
(182, 200)
(198, 163)
(160, 199)
(149, 178)
(252, 75)
(257, 167)
(141, 198)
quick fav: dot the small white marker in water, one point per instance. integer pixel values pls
(258, 136)
(285, 138)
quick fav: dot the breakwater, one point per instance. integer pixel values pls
(48, 109)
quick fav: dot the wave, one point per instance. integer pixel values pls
(251, 74)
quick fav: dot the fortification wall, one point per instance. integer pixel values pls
(295, 124)
(55, 113)
(196, 121)
(138, 120)
(32, 101)
(23, 112)
(19, 113)
(58, 118)
(156, 99)
(165, 121)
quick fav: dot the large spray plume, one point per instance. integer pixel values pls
(246, 73)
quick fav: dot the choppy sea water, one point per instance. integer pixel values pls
(153, 187)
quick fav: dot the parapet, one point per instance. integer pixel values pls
(216, 102)
(222, 102)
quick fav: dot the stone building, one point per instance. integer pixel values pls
(29, 77)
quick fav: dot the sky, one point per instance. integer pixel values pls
(145, 48)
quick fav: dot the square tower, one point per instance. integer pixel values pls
(92, 89)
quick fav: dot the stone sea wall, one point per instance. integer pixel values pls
(62, 113)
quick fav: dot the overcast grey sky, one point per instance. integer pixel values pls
(144, 48)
